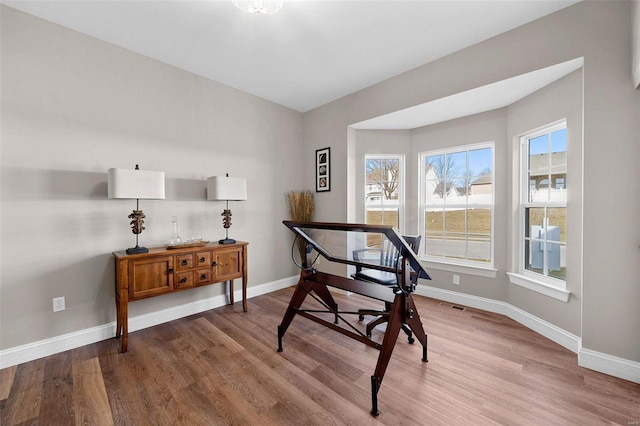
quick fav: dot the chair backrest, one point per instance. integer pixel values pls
(389, 253)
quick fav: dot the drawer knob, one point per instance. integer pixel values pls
(170, 270)
(185, 262)
(184, 280)
(202, 259)
(214, 263)
(203, 277)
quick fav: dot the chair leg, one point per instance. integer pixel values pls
(409, 333)
(376, 322)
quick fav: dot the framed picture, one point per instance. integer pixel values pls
(323, 170)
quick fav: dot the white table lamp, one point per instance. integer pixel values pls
(225, 188)
(136, 184)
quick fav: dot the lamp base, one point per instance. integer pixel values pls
(137, 250)
(227, 241)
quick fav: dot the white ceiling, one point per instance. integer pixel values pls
(310, 53)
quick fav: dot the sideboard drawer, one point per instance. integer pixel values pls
(184, 262)
(203, 276)
(203, 259)
(184, 279)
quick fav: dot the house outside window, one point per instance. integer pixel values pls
(384, 190)
(457, 205)
(543, 205)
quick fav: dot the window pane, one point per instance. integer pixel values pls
(382, 217)
(456, 191)
(535, 259)
(435, 167)
(433, 192)
(534, 218)
(480, 184)
(538, 146)
(479, 221)
(455, 221)
(557, 261)
(456, 165)
(479, 248)
(455, 245)
(434, 246)
(557, 220)
(559, 141)
(434, 222)
(481, 162)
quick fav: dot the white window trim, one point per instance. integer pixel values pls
(539, 286)
(463, 266)
(539, 283)
(401, 193)
(460, 268)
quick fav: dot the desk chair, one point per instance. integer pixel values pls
(389, 256)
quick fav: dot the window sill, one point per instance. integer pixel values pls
(479, 271)
(539, 286)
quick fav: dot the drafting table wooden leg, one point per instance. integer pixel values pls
(325, 295)
(414, 323)
(300, 293)
(388, 343)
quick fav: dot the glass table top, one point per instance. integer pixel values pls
(371, 246)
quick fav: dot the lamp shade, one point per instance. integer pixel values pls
(221, 188)
(138, 184)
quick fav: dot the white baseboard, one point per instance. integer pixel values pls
(65, 342)
(609, 364)
(587, 358)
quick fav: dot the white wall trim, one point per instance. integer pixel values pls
(548, 330)
(539, 286)
(587, 358)
(65, 342)
(609, 364)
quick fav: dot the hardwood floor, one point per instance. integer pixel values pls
(222, 367)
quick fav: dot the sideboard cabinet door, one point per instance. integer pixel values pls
(228, 264)
(150, 277)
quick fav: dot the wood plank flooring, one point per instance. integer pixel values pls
(221, 367)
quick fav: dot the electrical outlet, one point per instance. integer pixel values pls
(58, 304)
(456, 279)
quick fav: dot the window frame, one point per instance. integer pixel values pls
(400, 191)
(545, 284)
(473, 267)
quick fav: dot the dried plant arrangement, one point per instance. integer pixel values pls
(301, 205)
(301, 208)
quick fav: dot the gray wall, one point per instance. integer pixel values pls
(72, 107)
(560, 100)
(601, 33)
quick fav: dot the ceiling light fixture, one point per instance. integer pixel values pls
(267, 7)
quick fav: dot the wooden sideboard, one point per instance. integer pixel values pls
(163, 271)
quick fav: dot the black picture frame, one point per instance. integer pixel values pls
(323, 170)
